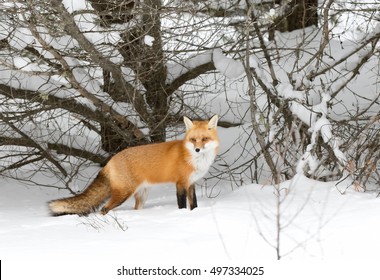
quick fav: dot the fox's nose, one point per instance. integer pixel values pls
(197, 150)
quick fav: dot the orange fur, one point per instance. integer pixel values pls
(181, 162)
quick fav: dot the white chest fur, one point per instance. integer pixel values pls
(201, 160)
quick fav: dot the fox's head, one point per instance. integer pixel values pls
(201, 136)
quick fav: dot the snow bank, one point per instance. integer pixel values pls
(316, 223)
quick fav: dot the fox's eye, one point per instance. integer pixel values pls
(204, 139)
(193, 140)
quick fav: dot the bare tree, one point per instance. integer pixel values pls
(79, 82)
(304, 89)
(75, 73)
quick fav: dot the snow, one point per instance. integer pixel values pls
(177, 69)
(21, 38)
(317, 223)
(285, 90)
(227, 66)
(72, 5)
(148, 40)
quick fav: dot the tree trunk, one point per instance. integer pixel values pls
(147, 62)
(298, 15)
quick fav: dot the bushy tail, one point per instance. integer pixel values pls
(82, 204)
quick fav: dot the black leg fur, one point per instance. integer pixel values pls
(192, 196)
(181, 198)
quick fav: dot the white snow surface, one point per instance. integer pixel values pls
(317, 222)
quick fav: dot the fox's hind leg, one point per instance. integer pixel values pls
(140, 198)
(117, 198)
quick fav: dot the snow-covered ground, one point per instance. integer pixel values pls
(237, 227)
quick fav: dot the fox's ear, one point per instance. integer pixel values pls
(213, 122)
(188, 123)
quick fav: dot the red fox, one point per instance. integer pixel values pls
(132, 170)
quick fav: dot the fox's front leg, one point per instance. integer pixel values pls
(181, 196)
(184, 195)
(192, 197)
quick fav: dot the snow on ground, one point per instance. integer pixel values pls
(317, 223)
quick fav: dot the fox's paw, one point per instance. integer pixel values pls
(104, 211)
